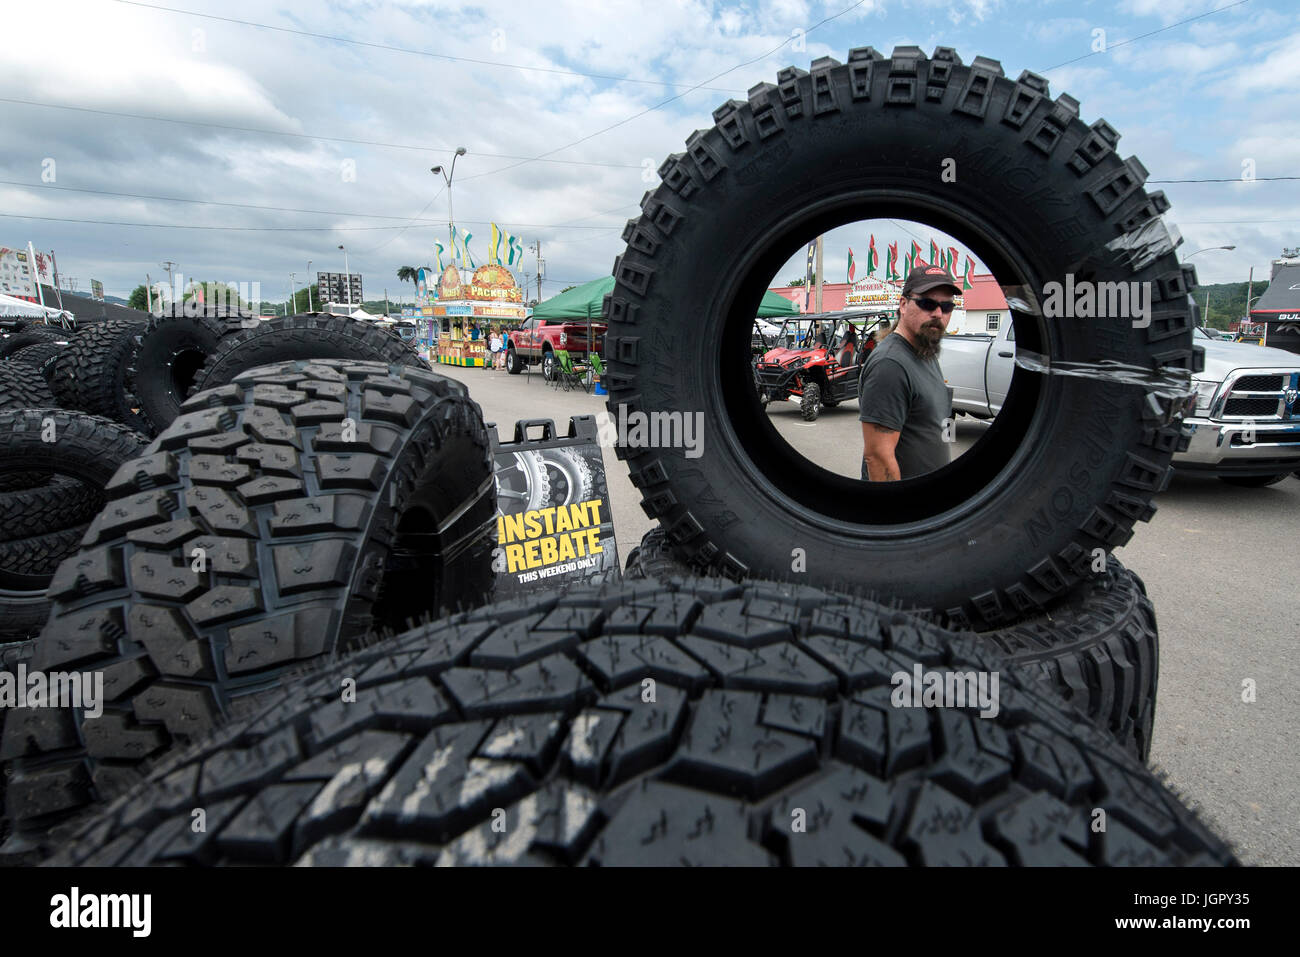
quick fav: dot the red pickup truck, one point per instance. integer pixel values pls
(538, 339)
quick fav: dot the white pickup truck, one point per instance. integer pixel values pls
(1246, 422)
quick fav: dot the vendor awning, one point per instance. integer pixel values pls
(585, 301)
(13, 306)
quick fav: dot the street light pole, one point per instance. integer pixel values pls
(347, 278)
(310, 307)
(451, 214)
(1207, 250)
(293, 295)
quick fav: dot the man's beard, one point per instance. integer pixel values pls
(927, 348)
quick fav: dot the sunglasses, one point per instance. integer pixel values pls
(930, 305)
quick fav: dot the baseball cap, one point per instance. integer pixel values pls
(924, 278)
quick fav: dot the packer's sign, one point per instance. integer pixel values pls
(494, 282)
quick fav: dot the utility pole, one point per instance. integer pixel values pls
(347, 278)
(169, 266)
(310, 307)
(1250, 286)
(541, 263)
(386, 306)
(293, 294)
(818, 307)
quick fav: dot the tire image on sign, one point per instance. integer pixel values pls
(277, 519)
(1071, 463)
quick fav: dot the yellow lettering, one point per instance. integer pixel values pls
(533, 525)
(514, 557)
(510, 528)
(530, 551)
(566, 546)
(548, 551)
(562, 521)
(593, 541)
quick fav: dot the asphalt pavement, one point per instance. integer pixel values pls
(1219, 562)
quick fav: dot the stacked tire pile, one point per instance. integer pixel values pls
(304, 509)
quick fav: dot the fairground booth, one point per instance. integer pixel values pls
(455, 315)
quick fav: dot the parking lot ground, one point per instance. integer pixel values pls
(1220, 564)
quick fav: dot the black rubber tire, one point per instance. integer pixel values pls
(1252, 481)
(810, 403)
(95, 373)
(61, 502)
(42, 355)
(303, 337)
(1098, 647)
(23, 387)
(513, 365)
(87, 449)
(548, 365)
(536, 718)
(312, 536)
(32, 335)
(1071, 463)
(173, 350)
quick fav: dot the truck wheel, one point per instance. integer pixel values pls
(548, 365)
(1098, 647)
(1072, 462)
(1252, 481)
(630, 725)
(513, 365)
(172, 351)
(810, 403)
(95, 372)
(276, 520)
(302, 337)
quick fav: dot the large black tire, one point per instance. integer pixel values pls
(548, 365)
(810, 403)
(1098, 647)
(23, 387)
(1071, 463)
(95, 373)
(303, 337)
(42, 355)
(172, 352)
(86, 450)
(61, 502)
(328, 498)
(514, 365)
(33, 335)
(654, 725)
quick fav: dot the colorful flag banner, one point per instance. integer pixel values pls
(873, 258)
(934, 252)
(953, 259)
(437, 256)
(968, 278)
(515, 250)
(494, 246)
(850, 264)
(808, 275)
(891, 267)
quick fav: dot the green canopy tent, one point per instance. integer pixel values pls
(584, 302)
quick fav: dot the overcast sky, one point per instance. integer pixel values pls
(1194, 101)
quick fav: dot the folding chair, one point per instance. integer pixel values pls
(597, 367)
(565, 373)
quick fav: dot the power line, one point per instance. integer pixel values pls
(291, 209)
(671, 99)
(1143, 36)
(424, 53)
(428, 148)
(279, 229)
(1234, 179)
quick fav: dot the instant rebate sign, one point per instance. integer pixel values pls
(554, 525)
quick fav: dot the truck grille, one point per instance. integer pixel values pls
(1260, 383)
(1252, 406)
(1263, 395)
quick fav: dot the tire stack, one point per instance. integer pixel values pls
(305, 507)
